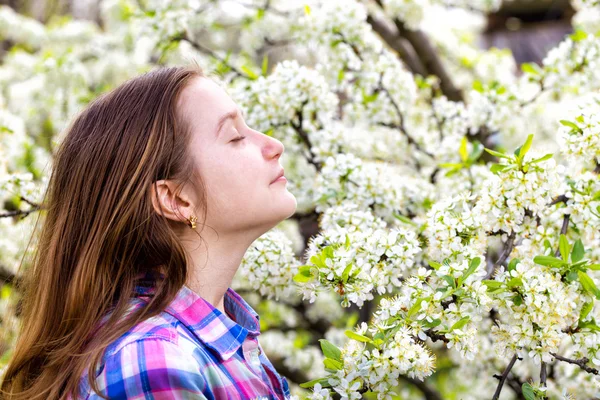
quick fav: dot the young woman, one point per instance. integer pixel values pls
(128, 294)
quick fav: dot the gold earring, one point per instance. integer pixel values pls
(192, 220)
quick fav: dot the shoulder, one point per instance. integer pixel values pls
(161, 326)
(151, 365)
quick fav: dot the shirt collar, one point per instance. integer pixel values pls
(222, 333)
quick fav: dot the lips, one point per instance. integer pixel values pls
(278, 175)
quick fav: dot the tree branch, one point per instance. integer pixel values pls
(391, 36)
(582, 363)
(543, 375)
(504, 376)
(6, 276)
(428, 392)
(430, 58)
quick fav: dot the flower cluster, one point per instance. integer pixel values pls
(522, 189)
(454, 230)
(290, 94)
(269, 265)
(356, 254)
(347, 178)
(536, 306)
(19, 29)
(412, 12)
(579, 138)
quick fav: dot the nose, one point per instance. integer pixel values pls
(273, 148)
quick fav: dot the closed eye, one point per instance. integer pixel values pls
(239, 139)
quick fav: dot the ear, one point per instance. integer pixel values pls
(175, 207)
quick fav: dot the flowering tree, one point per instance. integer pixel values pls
(457, 199)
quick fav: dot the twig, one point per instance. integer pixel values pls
(304, 136)
(436, 336)
(504, 376)
(559, 199)
(508, 247)
(6, 276)
(15, 213)
(401, 125)
(428, 392)
(563, 231)
(206, 50)
(543, 375)
(581, 363)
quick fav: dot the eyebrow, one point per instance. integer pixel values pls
(229, 115)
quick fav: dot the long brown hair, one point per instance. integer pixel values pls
(100, 231)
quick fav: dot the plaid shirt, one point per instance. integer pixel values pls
(190, 351)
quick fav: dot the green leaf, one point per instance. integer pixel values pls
(570, 124)
(450, 280)
(370, 98)
(305, 274)
(578, 251)
(528, 391)
(517, 152)
(595, 267)
(589, 325)
(327, 253)
(434, 265)
(571, 276)
(332, 364)
(346, 273)
(357, 336)
(478, 86)
(476, 152)
(564, 247)
(498, 168)
(544, 158)
(472, 267)
(514, 282)
(330, 350)
(462, 150)
(549, 261)
(513, 264)
(491, 284)
(323, 381)
(531, 68)
(460, 323)
(585, 310)
(517, 299)
(526, 146)
(417, 306)
(497, 154)
(578, 35)
(450, 165)
(581, 265)
(588, 284)
(435, 322)
(317, 261)
(251, 74)
(404, 219)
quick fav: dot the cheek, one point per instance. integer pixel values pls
(234, 186)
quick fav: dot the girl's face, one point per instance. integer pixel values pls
(237, 163)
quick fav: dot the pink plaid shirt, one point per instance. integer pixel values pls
(189, 351)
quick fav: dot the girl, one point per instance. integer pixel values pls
(124, 298)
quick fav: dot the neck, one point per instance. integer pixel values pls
(213, 266)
